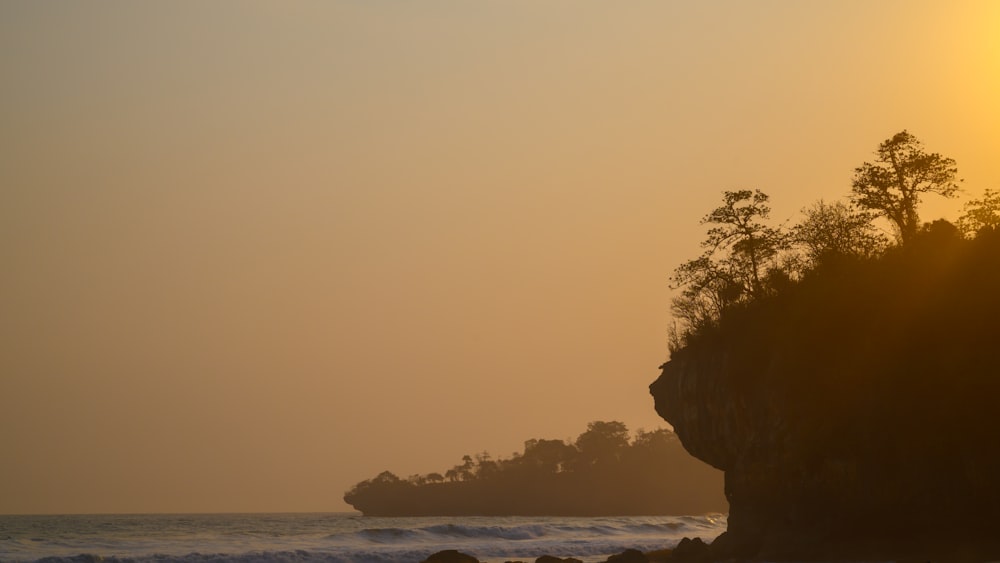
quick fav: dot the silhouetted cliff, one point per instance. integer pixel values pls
(854, 413)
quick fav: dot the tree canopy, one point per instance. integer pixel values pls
(739, 256)
(902, 172)
(981, 213)
(832, 230)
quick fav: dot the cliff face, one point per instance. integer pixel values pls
(855, 416)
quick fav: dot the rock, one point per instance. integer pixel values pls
(450, 556)
(553, 559)
(659, 555)
(688, 549)
(629, 556)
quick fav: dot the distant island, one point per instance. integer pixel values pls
(603, 473)
(846, 384)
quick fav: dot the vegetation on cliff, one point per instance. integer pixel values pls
(745, 260)
(602, 473)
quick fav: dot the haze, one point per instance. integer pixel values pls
(256, 252)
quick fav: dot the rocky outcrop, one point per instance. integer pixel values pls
(628, 556)
(554, 559)
(450, 556)
(691, 551)
(854, 417)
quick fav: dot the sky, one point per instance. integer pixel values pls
(256, 252)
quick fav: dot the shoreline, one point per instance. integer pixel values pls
(328, 538)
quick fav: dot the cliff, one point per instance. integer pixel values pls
(854, 414)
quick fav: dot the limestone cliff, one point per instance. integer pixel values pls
(855, 415)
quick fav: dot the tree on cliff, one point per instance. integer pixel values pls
(831, 230)
(737, 227)
(893, 184)
(737, 264)
(981, 214)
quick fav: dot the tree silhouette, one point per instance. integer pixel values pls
(892, 185)
(739, 259)
(550, 456)
(981, 214)
(836, 229)
(603, 442)
(386, 478)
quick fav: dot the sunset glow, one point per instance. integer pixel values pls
(256, 252)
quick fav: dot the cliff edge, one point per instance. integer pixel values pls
(854, 414)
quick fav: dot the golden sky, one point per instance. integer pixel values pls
(255, 252)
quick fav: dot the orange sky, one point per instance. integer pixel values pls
(256, 252)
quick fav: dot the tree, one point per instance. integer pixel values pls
(836, 229)
(708, 287)
(655, 439)
(386, 478)
(981, 214)
(737, 228)
(486, 466)
(549, 456)
(902, 172)
(602, 442)
(466, 471)
(740, 252)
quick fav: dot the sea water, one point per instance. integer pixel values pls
(333, 538)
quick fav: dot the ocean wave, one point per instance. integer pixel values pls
(524, 532)
(353, 540)
(587, 551)
(295, 556)
(386, 535)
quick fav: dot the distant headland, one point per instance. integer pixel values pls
(603, 473)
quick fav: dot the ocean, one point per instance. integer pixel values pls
(333, 537)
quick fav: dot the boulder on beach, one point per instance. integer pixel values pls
(690, 550)
(450, 556)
